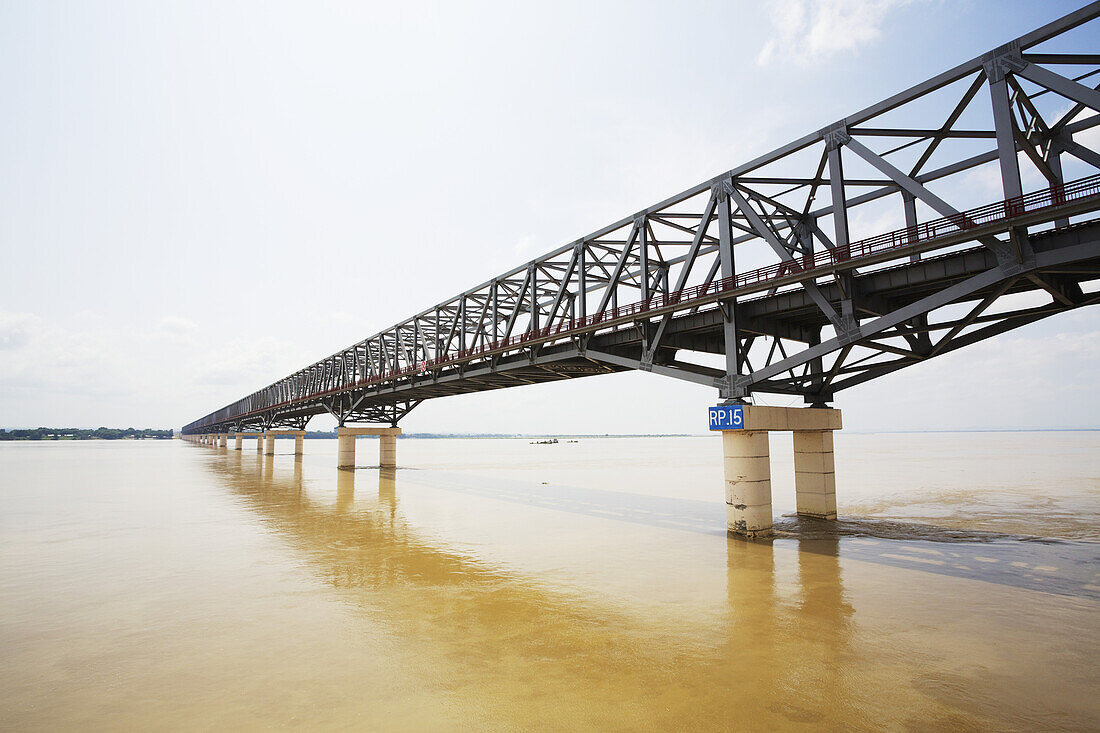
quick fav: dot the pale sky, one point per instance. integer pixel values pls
(197, 199)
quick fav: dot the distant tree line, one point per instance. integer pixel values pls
(83, 434)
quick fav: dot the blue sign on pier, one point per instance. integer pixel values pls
(726, 417)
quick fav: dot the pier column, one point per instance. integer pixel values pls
(270, 439)
(814, 477)
(387, 451)
(299, 443)
(259, 442)
(746, 462)
(224, 437)
(387, 446)
(237, 440)
(345, 448)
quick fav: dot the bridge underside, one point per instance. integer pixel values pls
(906, 313)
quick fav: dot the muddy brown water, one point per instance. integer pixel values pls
(494, 584)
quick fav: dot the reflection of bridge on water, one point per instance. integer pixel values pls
(474, 623)
(785, 621)
(819, 310)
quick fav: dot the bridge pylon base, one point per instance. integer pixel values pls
(387, 446)
(746, 463)
(299, 441)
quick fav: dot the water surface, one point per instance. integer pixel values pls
(493, 584)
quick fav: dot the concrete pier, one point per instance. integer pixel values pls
(222, 439)
(814, 477)
(259, 440)
(746, 463)
(237, 440)
(345, 449)
(387, 451)
(387, 446)
(298, 435)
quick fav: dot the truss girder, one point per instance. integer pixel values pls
(794, 216)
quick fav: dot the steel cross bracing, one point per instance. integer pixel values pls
(773, 276)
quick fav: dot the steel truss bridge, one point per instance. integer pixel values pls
(773, 277)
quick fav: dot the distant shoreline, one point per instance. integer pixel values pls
(74, 434)
(40, 434)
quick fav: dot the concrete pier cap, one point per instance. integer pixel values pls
(387, 445)
(746, 463)
(271, 435)
(253, 434)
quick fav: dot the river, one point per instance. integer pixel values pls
(499, 585)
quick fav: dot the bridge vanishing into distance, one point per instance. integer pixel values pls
(775, 277)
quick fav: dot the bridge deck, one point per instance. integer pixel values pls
(792, 313)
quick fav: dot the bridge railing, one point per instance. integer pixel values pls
(929, 231)
(812, 266)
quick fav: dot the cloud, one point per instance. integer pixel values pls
(84, 370)
(176, 326)
(807, 32)
(42, 357)
(16, 329)
(525, 245)
(246, 363)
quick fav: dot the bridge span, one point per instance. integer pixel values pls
(770, 277)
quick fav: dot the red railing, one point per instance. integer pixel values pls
(813, 265)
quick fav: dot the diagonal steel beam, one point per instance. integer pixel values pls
(667, 371)
(613, 283)
(766, 234)
(1068, 88)
(689, 261)
(901, 315)
(952, 118)
(1080, 151)
(915, 189)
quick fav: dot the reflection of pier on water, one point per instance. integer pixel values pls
(480, 625)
